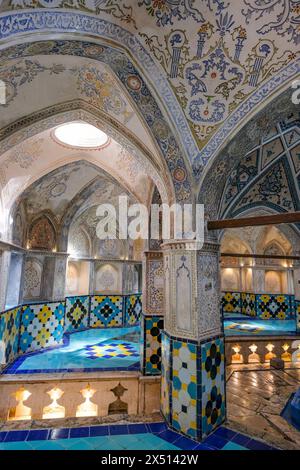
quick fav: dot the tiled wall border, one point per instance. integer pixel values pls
(229, 307)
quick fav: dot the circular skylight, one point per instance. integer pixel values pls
(81, 135)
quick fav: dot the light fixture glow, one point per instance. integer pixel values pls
(81, 135)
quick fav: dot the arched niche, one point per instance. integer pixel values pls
(108, 278)
(78, 277)
(33, 273)
(275, 282)
(41, 234)
(79, 243)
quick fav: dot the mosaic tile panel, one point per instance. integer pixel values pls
(184, 388)
(231, 302)
(133, 309)
(112, 349)
(106, 311)
(277, 307)
(9, 333)
(212, 385)
(165, 376)
(152, 326)
(77, 313)
(248, 304)
(297, 305)
(193, 385)
(42, 326)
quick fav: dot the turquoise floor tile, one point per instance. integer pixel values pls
(167, 446)
(233, 446)
(48, 445)
(81, 444)
(16, 446)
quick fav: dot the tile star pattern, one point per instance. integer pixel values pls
(77, 313)
(248, 304)
(106, 311)
(112, 349)
(274, 306)
(42, 326)
(9, 332)
(133, 309)
(193, 385)
(231, 302)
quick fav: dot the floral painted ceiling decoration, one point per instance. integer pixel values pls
(216, 60)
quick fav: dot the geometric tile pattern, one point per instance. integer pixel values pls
(133, 309)
(9, 333)
(213, 385)
(264, 306)
(106, 311)
(231, 302)
(279, 307)
(77, 313)
(248, 304)
(42, 326)
(152, 326)
(184, 388)
(193, 378)
(165, 376)
(113, 349)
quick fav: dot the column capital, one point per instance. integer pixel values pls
(192, 289)
(191, 245)
(153, 283)
(153, 254)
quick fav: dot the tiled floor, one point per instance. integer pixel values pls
(90, 350)
(237, 326)
(255, 400)
(152, 436)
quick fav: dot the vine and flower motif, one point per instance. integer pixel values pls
(212, 78)
(24, 72)
(285, 21)
(166, 11)
(112, 7)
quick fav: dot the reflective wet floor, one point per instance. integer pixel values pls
(90, 350)
(237, 326)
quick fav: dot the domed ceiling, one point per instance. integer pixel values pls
(211, 62)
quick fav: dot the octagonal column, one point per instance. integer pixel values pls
(153, 312)
(296, 272)
(193, 362)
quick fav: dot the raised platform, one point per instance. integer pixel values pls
(260, 349)
(68, 395)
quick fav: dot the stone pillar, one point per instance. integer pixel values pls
(290, 281)
(92, 278)
(14, 291)
(129, 278)
(153, 312)
(4, 276)
(59, 279)
(297, 282)
(193, 362)
(258, 280)
(297, 291)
